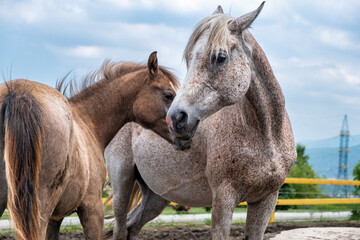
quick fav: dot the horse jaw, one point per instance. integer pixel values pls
(181, 144)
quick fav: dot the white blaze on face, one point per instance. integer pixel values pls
(195, 96)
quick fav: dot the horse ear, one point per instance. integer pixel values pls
(218, 10)
(244, 22)
(152, 64)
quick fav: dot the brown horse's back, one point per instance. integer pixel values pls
(37, 123)
(57, 124)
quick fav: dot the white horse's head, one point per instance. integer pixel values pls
(219, 71)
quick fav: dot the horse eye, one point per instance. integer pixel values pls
(169, 96)
(219, 60)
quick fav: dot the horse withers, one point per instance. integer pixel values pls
(53, 147)
(243, 147)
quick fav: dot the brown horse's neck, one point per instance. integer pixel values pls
(108, 105)
(264, 93)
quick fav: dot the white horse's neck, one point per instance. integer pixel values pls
(264, 93)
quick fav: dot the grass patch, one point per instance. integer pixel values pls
(199, 210)
(71, 228)
(5, 215)
(207, 221)
(170, 225)
(6, 233)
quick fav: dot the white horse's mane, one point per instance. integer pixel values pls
(219, 33)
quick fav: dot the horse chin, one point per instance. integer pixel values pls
(181, 144)
(183, 141)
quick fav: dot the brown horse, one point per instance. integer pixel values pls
(53, 147)
(243, 148)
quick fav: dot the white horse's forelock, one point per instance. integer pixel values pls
(219, 33)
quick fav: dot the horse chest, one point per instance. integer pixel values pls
(250, 170)
(175, 175)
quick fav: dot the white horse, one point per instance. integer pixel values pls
(243, 148)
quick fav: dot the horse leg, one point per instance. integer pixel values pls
(53, 229)
(225, 199)
(46, 209)
(258, 215)
(122, 185)
(91, 214)
(3, 195)
(150, 207)
(2, 204)
(121, 169)
(3, 186)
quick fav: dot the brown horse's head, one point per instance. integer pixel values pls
(155, 97)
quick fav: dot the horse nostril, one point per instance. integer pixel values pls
(180, 120)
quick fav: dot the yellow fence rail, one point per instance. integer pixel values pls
(321, 181)
(316, 201)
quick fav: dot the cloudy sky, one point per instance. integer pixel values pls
(313, 46)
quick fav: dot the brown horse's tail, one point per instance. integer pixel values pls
(135, 197)
(21, 139)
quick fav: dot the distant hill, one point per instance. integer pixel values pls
(331, 142)
(324, 155)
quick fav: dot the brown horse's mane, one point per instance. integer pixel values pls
(106, 73)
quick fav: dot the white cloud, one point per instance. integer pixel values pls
(130, 42)
(329, 75)
(346, 74)
(37, 11)
(340, 11)
(85, 51)
(353, 100)
(336, 38)
(183, 6)
(130, 4)
(350, 77)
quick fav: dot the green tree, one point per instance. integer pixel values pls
(356, 174)
(355, 214)
(301, 169)
(285, 192)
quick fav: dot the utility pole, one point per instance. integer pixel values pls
(344, 150)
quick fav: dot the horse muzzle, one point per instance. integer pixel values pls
(183, 127)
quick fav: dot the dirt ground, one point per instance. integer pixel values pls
(202, 232)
